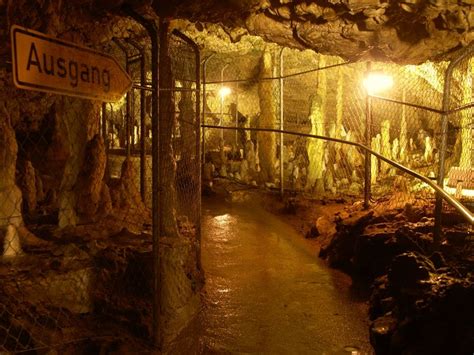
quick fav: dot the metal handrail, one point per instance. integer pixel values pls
(426, 108)
(468, 216)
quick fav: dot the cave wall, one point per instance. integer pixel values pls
(52, 131)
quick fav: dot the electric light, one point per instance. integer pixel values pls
(224, 91)
(376, 82)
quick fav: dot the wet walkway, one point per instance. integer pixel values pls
(266, 293)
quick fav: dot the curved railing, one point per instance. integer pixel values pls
(468, 216)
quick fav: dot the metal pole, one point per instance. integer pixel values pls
(203, 129)
(237, 117)
(281, 123)
(127, 105)
(142, 129)
(104, 123)
(198, 152)
(132, 121)
(367, 156)
(222, 100)
(150, 26)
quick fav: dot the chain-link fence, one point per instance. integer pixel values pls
(78, 270)
(307, 94)
(458, 162)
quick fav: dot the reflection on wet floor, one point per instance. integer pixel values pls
(266, 293)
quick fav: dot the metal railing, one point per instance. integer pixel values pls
(468, 216)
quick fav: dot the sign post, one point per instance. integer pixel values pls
(47, 64)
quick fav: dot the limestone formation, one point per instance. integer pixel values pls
(80, 125)
(428, 152)
(28, 186)
(90, 182)
(128, 207)
(11, 243)
(403, 133)
(10, 194)
(374, 167)
(316, 146)
(266, 141)
(386, 149)
(407, 31)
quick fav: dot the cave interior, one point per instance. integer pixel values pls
(364, 105)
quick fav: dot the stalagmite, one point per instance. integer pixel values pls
(244, 171)
(11, 243)
(428, 153)
(10, 194)
(385, 146)
(78, 125)
(266, 141)
(374, 169)
(250, 154)
(28, 186)
(316, 146)
(395, 149)
(223, 156)
(403, 132)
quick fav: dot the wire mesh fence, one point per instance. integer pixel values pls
(459, 164)
(288, 92)
(77, 268)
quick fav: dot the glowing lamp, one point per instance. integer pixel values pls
(376, 82)
(224, 91)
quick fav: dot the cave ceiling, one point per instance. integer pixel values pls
(410, 31)
(405, 32)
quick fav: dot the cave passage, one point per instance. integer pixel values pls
(265, 292)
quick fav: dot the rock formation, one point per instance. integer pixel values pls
(266, 141)
(10, 194)
(401, 31)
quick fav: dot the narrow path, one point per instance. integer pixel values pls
(265, 293)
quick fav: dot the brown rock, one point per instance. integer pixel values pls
(10, 194)
(90, 182)
(28, 186)
(128, 207)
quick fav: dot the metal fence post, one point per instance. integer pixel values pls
(367, 155)
(142, 133)
(152, 30)
(104, 123)
(203, 132)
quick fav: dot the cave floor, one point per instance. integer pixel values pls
(266, 292)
